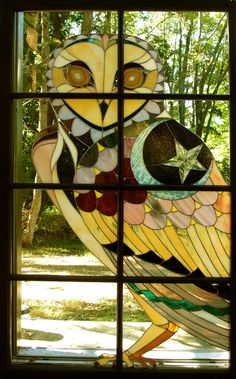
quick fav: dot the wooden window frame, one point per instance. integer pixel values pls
(7, 96)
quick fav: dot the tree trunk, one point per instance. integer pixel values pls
(183, 66)
(87, 22)
(34, 210)
(28, 233)
(203, 107)
(107, 24)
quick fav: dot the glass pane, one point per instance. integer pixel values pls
(80, 136)
(143, 74)
(174, 233)
(28, 123)
(209, 120)
(193, 47)
(53, 240)
(55, 55)
(58, 319)
(183, 325)
(178, 146)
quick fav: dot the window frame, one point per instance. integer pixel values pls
(7, 16)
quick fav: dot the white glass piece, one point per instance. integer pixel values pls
(153, 54)
(152, 107)
(141, 116)
(79, 127)
(57, 102)
(49, 74)
(107, 160)
(159, 88)
(57, 52)
(85, 175)
(65, 113)
(144, 45)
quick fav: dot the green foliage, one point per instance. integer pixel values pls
(30, 129)
(52, 226)
(105, 22)
(43, 247)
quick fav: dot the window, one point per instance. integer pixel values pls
(119, 119)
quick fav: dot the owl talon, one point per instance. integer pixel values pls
(105, 359)
(145, 362)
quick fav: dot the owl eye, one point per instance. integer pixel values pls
(133, 77)
(77, 75)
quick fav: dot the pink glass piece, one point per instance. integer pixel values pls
(133, 213)
(205, 215)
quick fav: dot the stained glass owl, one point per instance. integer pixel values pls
(166, 232)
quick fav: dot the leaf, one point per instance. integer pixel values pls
(32, 38)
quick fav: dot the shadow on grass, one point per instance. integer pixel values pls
(40, 335)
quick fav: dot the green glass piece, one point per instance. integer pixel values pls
(181, 304)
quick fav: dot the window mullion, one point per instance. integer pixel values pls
(232, 51)
(120, 132)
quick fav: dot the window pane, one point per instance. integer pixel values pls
(202, 338)
(156, 145)
(45, 32)
(76, 320)
(210, 121)
(82, 133)
(178, 236)
(192, 46)
(48, 244)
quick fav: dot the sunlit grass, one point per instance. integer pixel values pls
(70, 257)
(61, 257)
(77, 310)
(51, 247)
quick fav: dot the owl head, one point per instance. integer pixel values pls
(88, 64)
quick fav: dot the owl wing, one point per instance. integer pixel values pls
(175, 248)
(193, 231)
(176, 236)
(162, 237)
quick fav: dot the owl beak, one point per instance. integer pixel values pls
(103, 106)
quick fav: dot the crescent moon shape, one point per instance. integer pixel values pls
(155, 147)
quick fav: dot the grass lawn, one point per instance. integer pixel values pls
(71, 301)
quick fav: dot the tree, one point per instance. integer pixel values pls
(36, 22)
(32, 214)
